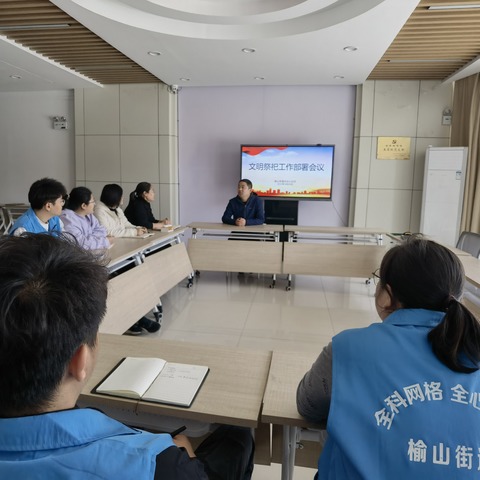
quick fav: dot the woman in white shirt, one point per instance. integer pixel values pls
(111, 216)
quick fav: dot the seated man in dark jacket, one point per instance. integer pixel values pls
(246, 208)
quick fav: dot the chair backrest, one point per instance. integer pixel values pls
(3, 221)
(469, 242)
(12, 211)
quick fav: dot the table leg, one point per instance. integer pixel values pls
(289, 446)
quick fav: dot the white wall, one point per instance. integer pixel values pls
(388, 193)
(215, 121)
(127, 134)
(29, 146)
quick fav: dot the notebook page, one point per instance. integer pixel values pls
(132, 377)
(177, 384)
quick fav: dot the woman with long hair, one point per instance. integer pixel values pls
(402, 397)
(139, 209)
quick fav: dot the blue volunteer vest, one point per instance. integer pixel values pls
(397, 412)
(76, 444)
(30, 223)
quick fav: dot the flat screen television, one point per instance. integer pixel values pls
(294, 172)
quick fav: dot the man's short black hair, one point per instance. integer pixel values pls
(247, 181)
(52, 300)
(45, 190)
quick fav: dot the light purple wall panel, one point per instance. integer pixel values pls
(215, 121)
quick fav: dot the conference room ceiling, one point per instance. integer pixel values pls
(49, 45)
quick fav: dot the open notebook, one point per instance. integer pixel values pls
(154, 380)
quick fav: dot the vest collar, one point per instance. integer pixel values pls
(66, 428)
(417, 317)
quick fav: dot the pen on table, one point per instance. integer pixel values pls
(177, 431)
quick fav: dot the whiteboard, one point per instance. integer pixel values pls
(443, 187)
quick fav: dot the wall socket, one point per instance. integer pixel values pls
(60, 123)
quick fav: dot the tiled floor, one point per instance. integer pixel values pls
(240, 310)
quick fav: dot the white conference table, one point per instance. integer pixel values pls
(358, 234)
(212, 252)
(126, 250)
(224, 230)
(399, 238)
(279, 401)
(471, 266)
(332, 251)
(232, 392)
(147, 285)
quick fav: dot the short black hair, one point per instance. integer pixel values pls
(52, 300)
(78, 196)
(247, 181)
(45, 190)
(111, 195)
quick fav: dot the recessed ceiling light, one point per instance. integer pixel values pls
(338, 77)
(453, 7)
(154, 53)
(16, 77)
(350, 48)
(259, 78)
(248, 50)
(185, 79)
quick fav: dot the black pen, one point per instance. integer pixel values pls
(177, 431)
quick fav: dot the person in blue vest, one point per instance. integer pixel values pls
(52, 299)
(402, 397)
(246, 208)
(47, 198)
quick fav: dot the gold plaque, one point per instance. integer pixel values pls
(393, 148)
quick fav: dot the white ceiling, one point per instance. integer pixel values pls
(23, 70)
(296, 42)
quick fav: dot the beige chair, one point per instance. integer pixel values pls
(469, 242)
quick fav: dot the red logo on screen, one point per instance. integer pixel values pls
(252, 151)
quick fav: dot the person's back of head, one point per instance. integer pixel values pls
(45, 190)
(52, 299)
(111, 195)
(423, 274)
(78, 196)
